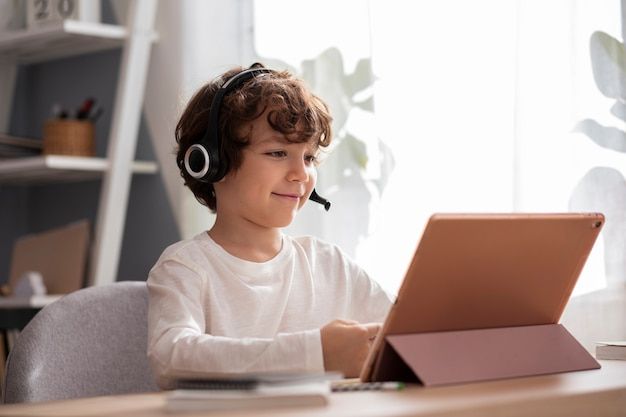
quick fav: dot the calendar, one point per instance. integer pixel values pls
(43, 12)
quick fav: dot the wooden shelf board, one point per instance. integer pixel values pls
(34, 301)
(58, 168)
(59, 40)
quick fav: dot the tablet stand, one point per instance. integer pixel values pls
(451, 357)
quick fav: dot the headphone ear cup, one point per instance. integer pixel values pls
(204, 164)
(197, 162)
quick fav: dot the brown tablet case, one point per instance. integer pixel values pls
(477, 355)
(482, 298)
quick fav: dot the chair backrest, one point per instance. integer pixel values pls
(91, 342)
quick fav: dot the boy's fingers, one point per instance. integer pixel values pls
(372, 329)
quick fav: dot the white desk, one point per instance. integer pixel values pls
(595, 393)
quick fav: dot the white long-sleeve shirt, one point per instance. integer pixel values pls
(211, 312)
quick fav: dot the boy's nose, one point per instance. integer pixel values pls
(298, 171)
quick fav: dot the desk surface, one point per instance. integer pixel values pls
(597, 392)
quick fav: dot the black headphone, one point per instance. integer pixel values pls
(202, 159)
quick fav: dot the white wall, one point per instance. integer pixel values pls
(198, 40)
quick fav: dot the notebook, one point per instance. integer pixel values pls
(222, 391)
(249, 381)
(304, 394)
(482, 271)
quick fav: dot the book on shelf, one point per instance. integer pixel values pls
(250, 391)
(611, 350)
(16, 147)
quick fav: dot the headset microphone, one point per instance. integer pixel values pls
(319, 199)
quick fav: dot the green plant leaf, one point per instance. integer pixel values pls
(325, 75)
(604, 136)
(358, 149)
(367, 105)
(619, 110)
(361, 78)
(608, 61)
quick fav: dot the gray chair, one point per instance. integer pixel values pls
(91, 342)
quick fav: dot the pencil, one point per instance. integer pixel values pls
(345, 386)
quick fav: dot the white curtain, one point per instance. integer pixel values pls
(570, 142)
(460, 106)
(423, 99)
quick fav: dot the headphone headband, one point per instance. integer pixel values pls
(202, 160)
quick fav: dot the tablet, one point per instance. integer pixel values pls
(478, 271)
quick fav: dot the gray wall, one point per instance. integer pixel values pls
(150, 225)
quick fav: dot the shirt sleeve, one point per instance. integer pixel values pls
(370, 303)
(179, 346)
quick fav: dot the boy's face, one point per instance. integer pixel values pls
(273, 182)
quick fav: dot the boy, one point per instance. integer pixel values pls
(243, 297)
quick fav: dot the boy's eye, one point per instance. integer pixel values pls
(311, 158)
(277, 154)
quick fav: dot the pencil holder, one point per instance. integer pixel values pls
(69, 137)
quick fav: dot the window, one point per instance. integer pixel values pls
(476, 108)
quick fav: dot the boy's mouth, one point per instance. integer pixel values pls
(288, 195)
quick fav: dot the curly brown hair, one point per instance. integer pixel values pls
(294, 111)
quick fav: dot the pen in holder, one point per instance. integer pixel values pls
(69, 137)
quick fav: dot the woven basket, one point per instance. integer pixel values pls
(69, 137)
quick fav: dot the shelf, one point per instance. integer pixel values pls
(59, 40)
(47, 169)
(77, 38)
(34, 301)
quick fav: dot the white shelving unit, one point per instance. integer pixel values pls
(70, 38)
(60, 40)
(48, 169)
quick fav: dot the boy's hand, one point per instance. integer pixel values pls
(346, 344)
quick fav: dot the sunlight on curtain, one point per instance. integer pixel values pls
(571, 143)
(556, 90)
(485, 106)
(444, 105)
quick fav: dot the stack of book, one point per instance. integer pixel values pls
(15, 147)
(251, 391)
(611, 350)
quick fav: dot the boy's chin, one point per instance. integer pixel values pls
(283, 221)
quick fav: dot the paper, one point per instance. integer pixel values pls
(263, 396)
(617, 343)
